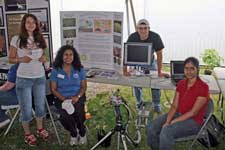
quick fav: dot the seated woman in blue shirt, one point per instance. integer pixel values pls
(68, 82)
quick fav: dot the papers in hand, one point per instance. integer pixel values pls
(68, 106)
(35, 54)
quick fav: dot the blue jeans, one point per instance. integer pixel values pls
(155, 92)
(6, 98)
(25, 87)
(159, 138)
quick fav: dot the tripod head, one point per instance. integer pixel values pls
(116, 99)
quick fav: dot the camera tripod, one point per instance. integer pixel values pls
(119, 128)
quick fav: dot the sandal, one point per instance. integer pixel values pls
(42, 133)
(30, 139)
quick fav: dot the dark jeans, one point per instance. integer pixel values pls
(74, 121)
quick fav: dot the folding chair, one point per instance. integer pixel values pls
(203, 132)
(8, 108)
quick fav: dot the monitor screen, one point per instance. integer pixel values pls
(177, 67)
(137, 54)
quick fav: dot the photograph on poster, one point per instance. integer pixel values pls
(47, 50)
(117, 60)
(86, 25)
(13, 24)
(1, 17)
(117, 51)
(70, 42)
(3, 50)
(117, 55)
(70, 33)
(117, 26)
(42, 15)
(69, 22)
(38, 3)
(15, 5)
(103, 26)
(117, 39)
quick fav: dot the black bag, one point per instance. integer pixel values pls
(216, 133)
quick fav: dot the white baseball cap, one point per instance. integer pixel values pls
(143, 21)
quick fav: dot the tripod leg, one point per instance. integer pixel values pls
(124, 141)
(107, 135)
(131, 140)
(118, 140)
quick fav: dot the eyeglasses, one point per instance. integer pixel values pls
(142, 28)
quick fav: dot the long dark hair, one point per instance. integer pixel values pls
(38, 37)
(58, 63)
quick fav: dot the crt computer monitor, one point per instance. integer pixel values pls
(176, 67)
(137, 54)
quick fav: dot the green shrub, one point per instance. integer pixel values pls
(211, 58)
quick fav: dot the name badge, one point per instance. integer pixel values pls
(75, 75)
(61, 76)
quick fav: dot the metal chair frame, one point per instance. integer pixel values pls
(203, 132)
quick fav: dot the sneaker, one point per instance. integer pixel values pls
(73, 141)
(4, 122)
(83, 140)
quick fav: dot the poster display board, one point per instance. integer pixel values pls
(11, 13)
(97, 36)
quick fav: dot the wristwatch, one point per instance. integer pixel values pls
(78, 96)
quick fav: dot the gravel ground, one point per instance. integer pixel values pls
(96, 88)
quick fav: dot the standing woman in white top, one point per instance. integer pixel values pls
(27, 49)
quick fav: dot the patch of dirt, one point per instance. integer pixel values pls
(96, 88)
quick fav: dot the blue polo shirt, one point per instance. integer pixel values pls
(68, 85)
(11, 77)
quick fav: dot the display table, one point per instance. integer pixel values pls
(146, 81)
(152, 81)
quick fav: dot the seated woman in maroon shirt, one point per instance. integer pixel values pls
(185, 116)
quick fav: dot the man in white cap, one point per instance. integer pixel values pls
(144, 35)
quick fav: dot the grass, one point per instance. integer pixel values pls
(103, 117)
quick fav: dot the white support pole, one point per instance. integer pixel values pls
(128, 16)
(133, 14)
